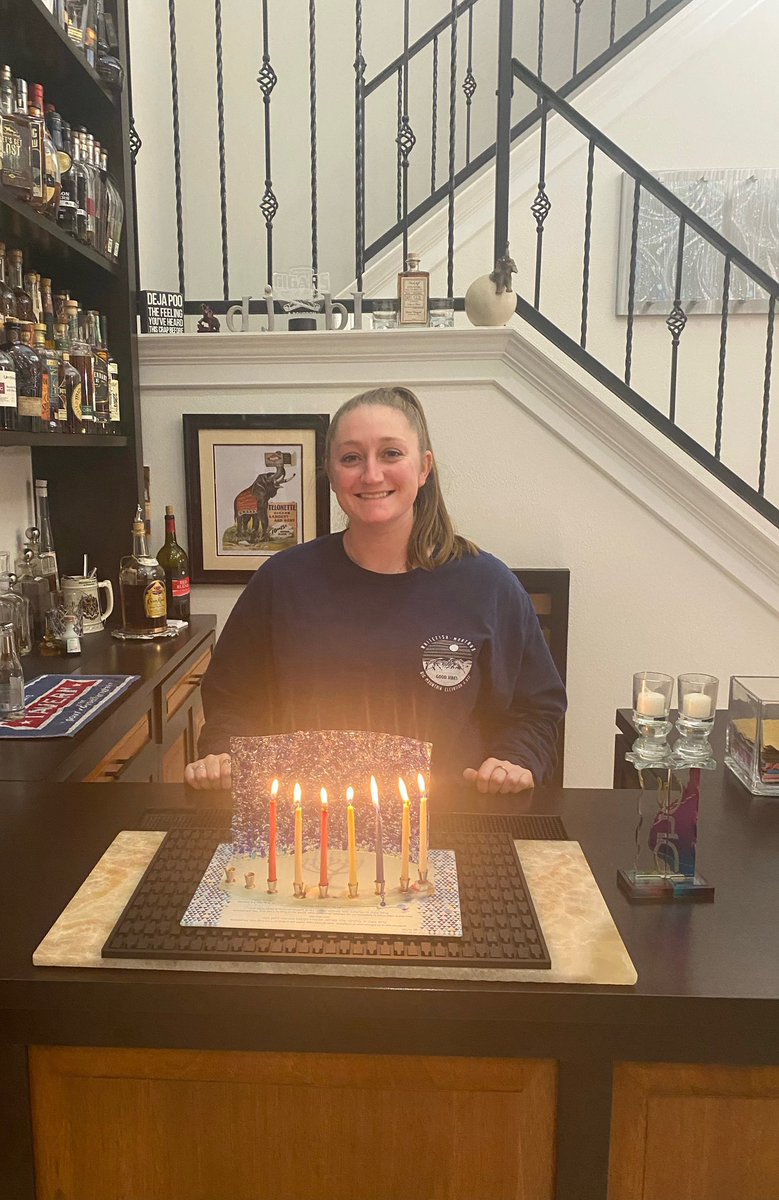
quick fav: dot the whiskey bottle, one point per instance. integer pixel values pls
(47, 315)
(109, 68)
(114, 210)
(50, 166)
(69, 391)
(67, 213)
(102, 382)
(413, 294)
(7, 384)
(7, 297)
(85, 190)
(114, 408)
(174, 561)
(83, 404)
(49, 380)
(32, 285)
(16, 283)
(22, 155)
(79, 23)
(74, 221)
(27, 365)
(142, 586)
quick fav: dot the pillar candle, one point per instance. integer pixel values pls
(323, 841)
(272, 835)
(650, 704)
(422, 825)
(298, 837)
(379, 846)
(697, 705)
(351, 837)
(405, 830)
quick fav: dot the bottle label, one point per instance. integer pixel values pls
(113, 392)
(154, 603)
(179, 588)
(62, 402)
(75, 401)
(45, 397)
(30, 406)
(7, 389)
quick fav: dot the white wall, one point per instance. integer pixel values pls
(16, 498)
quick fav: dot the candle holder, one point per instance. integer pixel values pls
(353, 890)
(229, 874)
(422, 876)
(697, 706)
(405, 883)
(323, 891)
(272, 887)
(249, 879)
(299, 890)
(651, 705)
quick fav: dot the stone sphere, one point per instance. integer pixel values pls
(483, 305)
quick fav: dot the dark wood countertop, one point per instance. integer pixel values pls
(58, 758)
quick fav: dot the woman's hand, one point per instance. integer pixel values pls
(500, 777)
(212, 772)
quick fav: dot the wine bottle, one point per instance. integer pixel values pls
(174, 561)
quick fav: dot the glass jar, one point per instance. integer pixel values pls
(385, 314)
(441, 314)
(11, 676)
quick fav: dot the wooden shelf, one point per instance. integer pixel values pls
(104, 440)
(41, 237)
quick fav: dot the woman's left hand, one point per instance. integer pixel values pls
(498, 776)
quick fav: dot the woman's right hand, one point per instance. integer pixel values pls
(211, 772)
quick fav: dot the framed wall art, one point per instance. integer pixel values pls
(255, 485)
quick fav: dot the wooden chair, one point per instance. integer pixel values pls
(548, 588)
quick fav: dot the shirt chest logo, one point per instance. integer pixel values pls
(447, 662)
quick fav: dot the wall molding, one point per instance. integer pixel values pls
(693, 505)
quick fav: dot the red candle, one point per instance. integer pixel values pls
(272, 840)
(323, 842)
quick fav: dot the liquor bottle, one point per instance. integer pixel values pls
(85, 189)
(11, 675)
(22, 149)
(46, 551)
(80, 26)
(413, 294)
(47, 305)
(109, 68)
(95, 187)
(142, 586)
(83, 405)
(49, 381)
(174, 561)
(50, 165)
(16, 283)
(67, 213)
(8, 401)
(69, 392)
(16, 605)
(7, 297)
(32, 285)
(115, 212)
(6, 90)
(28, 376)
(77, 185)
(102, 382)
(114, 408)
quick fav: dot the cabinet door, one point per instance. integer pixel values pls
(132, 759)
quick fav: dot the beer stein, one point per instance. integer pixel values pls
(82, 593)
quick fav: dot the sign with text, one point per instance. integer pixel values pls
(161, 312)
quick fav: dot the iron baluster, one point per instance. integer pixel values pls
(587, 238)
(613, 22)
(134, 138)
(359, 147)
(577, 7)
(677, 319)
(632, 280)
(398, 158)
(648, 7)
(541, 206)
(406, 138)
(267, 80)
(452, 133)
(540, 71)
(469, 87)
(174, 90)
(769, 350)
(220, 103)
(503, 129)
(434, 128)
(313, 133)
(723, 338)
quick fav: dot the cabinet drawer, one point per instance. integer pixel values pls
(176, 692)
(120, 758)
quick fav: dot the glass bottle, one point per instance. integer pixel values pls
(82, 359)
(47, 553)
(67, 213)
(77, 183)
(109, 68)
(7, 297)
(94, 185)
(11, 675)
(28, 376)
(102, 382)
(50, 169)
(16, 283)
(14, 608)
(33, 585)
(174, 561)
(32, 285)
(22, 155)
(69, 397)
(116, 211)
(85, 193)
(6, 90)
(47, 306)
(142, 585)
(114, 408)
(50, 381)
(8, 402)
(80, 26)
(101, 197)
(413, 294)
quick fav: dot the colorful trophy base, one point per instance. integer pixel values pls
(663, 889)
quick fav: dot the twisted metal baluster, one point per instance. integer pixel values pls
(452, 132)
(313, 131)
(769, 350)
(434, 129)
(613, 23)
(267, 80)
(722, 352)
(587, 238)
(359, 147)
(542, 205)
(677, 319)
(632, 281)
(648, 7)
(174, 89)
(398, 160)
(469, 88)
(540, 71)
(222, 169)
(406, 138)
(577, 5)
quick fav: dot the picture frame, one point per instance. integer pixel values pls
(256, 484)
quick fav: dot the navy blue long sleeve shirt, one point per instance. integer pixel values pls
(454, 656)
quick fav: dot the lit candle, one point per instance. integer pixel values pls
(298, 841)
(405, 835)
(379, 847)
(323, 841)
(697, 705)
(422, 827)
(650, 704)
(274, 791)
(352, 841)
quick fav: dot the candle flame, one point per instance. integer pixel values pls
(349, 795)
(296, 793)
(274, 788)
(323, 796)
(374, 792)
(421, 784)
(403, 791)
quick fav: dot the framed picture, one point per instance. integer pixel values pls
(255, 485)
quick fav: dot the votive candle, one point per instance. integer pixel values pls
(379, 846)
(323, 841)
(697, 706)
(422, 826)
(650, 704)
(351, 837)
(405, 833)
(274, 791)
(298, 838)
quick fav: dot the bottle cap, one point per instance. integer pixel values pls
(169, 510)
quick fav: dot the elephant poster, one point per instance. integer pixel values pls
(264, 514)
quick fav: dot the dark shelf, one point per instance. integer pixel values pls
(12, 438)
(20, 222)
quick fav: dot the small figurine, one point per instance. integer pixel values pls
(504, 268)
(208, 323)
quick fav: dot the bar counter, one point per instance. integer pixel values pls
(706, 1000)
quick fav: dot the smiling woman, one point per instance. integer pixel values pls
(399, 625)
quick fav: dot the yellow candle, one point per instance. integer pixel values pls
(298, 837)
(352, 841)
(405, 831)
(422, 826)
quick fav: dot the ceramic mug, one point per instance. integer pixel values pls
(81, 592)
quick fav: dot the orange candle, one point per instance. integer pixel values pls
(323, 841)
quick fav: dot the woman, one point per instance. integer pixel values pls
(397, 625)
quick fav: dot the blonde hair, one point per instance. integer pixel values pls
(433, 540)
